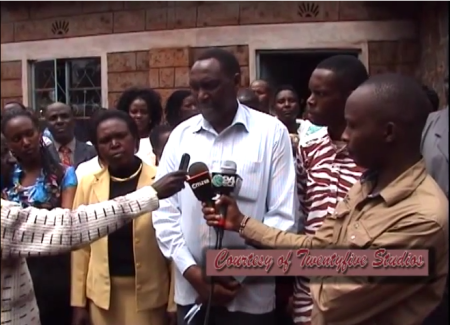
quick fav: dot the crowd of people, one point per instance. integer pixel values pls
(362, 163)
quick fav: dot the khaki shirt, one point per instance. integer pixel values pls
(412, 212)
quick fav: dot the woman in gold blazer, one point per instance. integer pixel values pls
(122, 279)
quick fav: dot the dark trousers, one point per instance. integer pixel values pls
(221, 316)
(51, 281)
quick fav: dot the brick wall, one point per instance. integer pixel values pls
(393, 56)
(433, 62)
(164, 70)
(11, 82)
(28, 21)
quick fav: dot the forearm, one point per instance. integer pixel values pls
(32, 231)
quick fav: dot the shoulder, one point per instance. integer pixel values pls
(431, 202)
(149, 169)
(434, 117)
(70, 177)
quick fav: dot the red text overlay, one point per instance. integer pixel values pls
(305, 262)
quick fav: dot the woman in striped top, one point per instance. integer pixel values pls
(325, 171)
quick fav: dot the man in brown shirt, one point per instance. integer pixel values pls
(396, 204)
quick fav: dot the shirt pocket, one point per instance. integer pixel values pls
(252, 175)
(357, 236)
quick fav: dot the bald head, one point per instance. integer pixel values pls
(385, 117)
(249, 98)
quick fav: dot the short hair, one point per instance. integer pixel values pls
(349, 71)
(402, 99)
(156, 133)
(433, 97)
(283, 88)
(110, 114)
(228, 62)
(149, 96)
(16, 104)
(173, 106)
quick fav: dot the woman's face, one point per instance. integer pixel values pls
(188, 108)
(115, 143)
(23, 137)
(140, 113)
(287, 106)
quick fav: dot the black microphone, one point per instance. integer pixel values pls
(227, 182)
(184, 163)
(200, 182)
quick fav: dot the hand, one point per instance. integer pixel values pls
(221, 295)
(80, 316)
(171, 317)
(170, 184)
(234, 216)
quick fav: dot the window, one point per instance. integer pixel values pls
(76, 82)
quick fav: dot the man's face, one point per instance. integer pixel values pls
(60, 122)
(326, 102)
(262, 90)
(365, 134)
(213, 90)
(7, 160)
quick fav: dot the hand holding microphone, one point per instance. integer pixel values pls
(233, 219)
(172, 183)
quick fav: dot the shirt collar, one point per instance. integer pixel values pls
(70, 145)
(241, 118)
(403, 186)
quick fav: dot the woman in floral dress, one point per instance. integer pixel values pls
(38, 180)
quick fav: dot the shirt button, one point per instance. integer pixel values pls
(138, 287)
(138, 265)
(137, 241)
(356, 225)
(353, 237)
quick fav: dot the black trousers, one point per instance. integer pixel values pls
(221, 316)
(51, 281)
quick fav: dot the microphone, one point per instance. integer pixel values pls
(227, 182)
(200, 182)
(184, 163)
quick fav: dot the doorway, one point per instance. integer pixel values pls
(293, 68)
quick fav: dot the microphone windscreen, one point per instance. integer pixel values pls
(200, 182)
(197, 168)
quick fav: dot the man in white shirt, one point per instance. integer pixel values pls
(261, 148)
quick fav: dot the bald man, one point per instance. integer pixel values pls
(395, 204)
(264, 93)
(61, 124)
(249, 98)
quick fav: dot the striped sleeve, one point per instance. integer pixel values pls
(34, 232)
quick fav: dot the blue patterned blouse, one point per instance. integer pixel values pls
(44, 193)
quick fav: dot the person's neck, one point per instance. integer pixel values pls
(125, 171)
(30, 165)
(291, 126)
(225, 121)
(335, 131)
(64, 141)
(397, 165)
(144, 133)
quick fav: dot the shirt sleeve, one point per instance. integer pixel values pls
(281, 199)
(34, 232)
(70, 178)
(301, 183)
(166, 220)
(371, 298)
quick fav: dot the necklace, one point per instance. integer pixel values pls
(116, 179)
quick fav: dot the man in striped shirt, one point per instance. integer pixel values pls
(325, 171)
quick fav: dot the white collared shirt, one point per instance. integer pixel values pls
(261, 147)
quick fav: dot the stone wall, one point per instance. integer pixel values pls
(433, 61)
(11, 82)
(28, 21)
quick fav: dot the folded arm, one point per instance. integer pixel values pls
(33, 232)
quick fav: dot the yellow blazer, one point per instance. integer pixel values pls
(90, 270)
